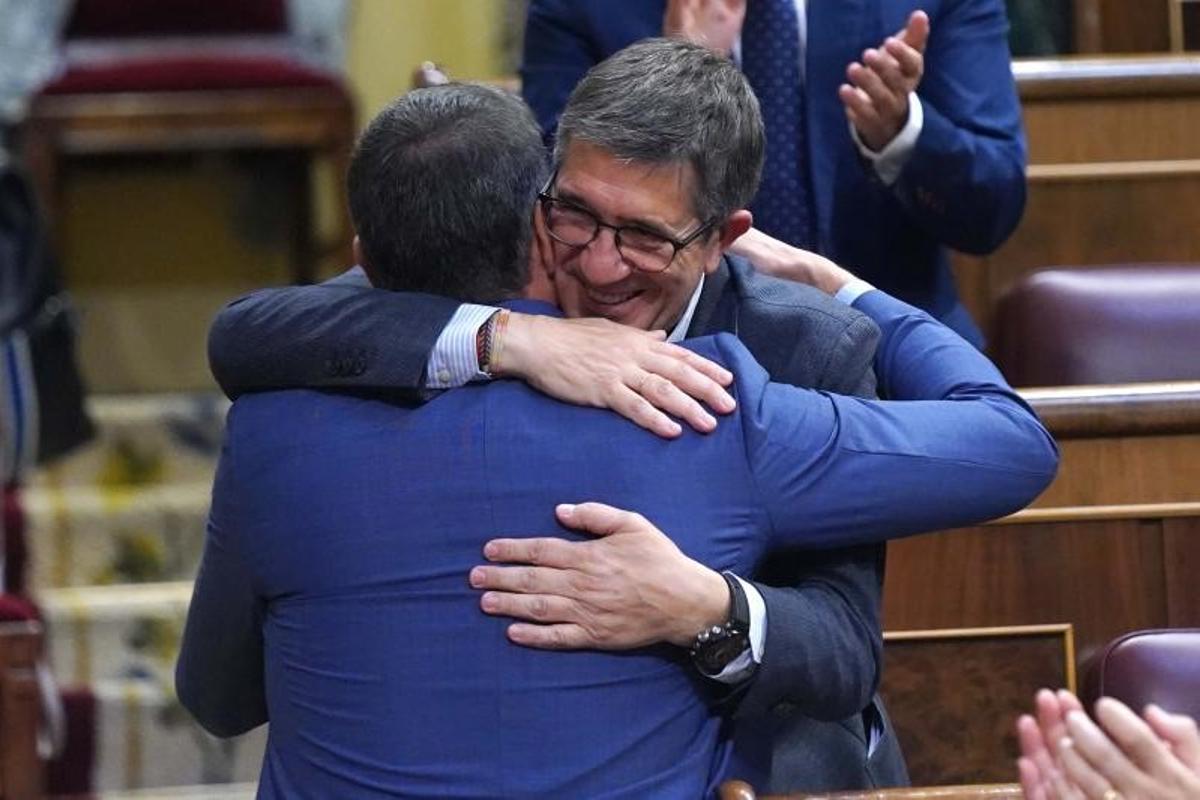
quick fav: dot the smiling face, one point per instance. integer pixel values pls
(594, 280)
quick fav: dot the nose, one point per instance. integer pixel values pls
(600, 262)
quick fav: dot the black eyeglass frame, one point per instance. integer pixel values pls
(547, 199)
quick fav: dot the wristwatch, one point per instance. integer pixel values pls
(718, 646)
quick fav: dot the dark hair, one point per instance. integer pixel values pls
(441, 189)
(663, 101)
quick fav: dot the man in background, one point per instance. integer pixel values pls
(893, 126)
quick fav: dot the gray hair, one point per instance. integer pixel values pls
(664, 101)
(441, 188)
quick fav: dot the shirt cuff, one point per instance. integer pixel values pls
(852, 291)
(740, 668)
(889, 161)
(454, 361)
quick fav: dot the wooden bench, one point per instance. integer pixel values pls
(1114, 171)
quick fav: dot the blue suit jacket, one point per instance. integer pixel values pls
(332, 596)
(964, 186)
(805, 716)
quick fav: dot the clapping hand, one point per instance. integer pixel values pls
(876, 97)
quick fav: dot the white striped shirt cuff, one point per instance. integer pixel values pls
(454, 361)
(852, 291)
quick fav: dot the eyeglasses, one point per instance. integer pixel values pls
(644, 250)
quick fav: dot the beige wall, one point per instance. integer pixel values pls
(152, 249)
(389, 38)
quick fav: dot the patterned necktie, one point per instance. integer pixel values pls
(771, 62)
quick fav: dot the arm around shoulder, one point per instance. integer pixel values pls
(326, 336)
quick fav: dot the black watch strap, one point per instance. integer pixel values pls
(718, 646)
(739, 606)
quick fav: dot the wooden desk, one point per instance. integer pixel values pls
(1112, 546)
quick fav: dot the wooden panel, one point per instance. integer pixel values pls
(953, 696)
(1101, 130)
(1181, 550)
(1139, 27)
(1151, 469)
(1104, 577)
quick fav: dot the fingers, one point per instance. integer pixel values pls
(1096, 763)
(1031, 780)
(1080, 772)
(1135, 738)
(1180, 732)
(910, 63)
(541, 608)
(641, 412)
(916, 31)
(601, 520)
(541, 551)
(885, 101)
(1050, 717)
(550, 637)
(709, 369)
(1033, 745)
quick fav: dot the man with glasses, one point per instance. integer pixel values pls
(658, 153)
(333, 596)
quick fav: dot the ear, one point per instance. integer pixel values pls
(737, 224)
(734, 226)
(360, 258)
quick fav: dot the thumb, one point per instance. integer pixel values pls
(597, 519)
(916, 32)
(1179, 731)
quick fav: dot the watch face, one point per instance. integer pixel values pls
(716, 655)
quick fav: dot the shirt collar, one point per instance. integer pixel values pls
(679, 332)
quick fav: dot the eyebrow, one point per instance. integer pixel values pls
(622, 222)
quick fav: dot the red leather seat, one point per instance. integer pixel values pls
(1122, 324)
(158, 76)
(1154, 666)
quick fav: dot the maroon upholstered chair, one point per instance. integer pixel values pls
(150, 77)
(1123, 324)
(1154, 666)
(21, 768)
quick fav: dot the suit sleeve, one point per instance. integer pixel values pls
(965, 181)
(342, 334)
(219, 675)
(824, 647)
(955, 447)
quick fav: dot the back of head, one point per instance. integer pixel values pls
(441, 188)
(662, 101)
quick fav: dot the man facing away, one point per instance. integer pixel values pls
(660, 149)
(332, 597)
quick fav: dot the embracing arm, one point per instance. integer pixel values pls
(339, 334)
(219, 675)
(964, 182)
(955, 446)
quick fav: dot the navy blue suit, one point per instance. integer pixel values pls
(963, 187)
(333, 597)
